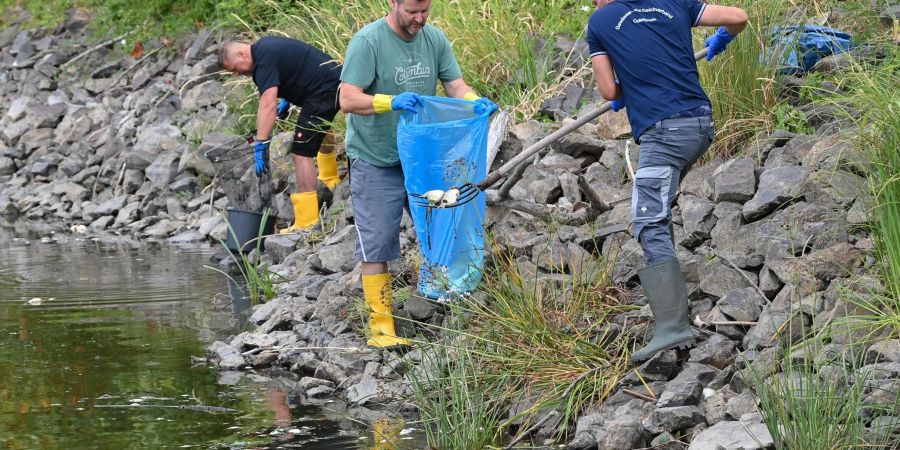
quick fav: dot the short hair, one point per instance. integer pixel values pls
(225, 52)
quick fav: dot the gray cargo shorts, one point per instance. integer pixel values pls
(379, 198)
(668, 150)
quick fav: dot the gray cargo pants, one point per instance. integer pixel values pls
(668, 150)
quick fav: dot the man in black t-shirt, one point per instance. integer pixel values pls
(301, 75)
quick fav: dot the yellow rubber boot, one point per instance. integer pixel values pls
(377, 291)
(328, 171)
(306, 212)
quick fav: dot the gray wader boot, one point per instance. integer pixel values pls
(667, 294)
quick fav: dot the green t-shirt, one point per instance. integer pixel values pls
(378, 61)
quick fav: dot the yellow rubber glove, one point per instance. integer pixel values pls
(382, 103)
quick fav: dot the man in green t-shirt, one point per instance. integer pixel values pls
(389, 63)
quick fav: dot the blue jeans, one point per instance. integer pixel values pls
(668, 150)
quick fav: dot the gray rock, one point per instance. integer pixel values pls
(202, 95)
(622, 433)
(192, 159)
(333, 256)
(102, 223)
(733, 436)
(307, 383)
(776, 325)
(45, 116)
(537, 186)
(714, 405)
(769, 282)
(163, 170)
(186, 237)
(151, 141)
(666, 441)
(698, 220)
(718, 351)
(578, 144)
(320, 392)
(363, 392)
(111, 206)
(718, 278)
(12, 132)
(743, 305)
(184, 184)
(777, 186)
(146, 73)
(699, 181)
(7, 166)
(225, 356)
(680, 393)
(132, 181)
(419, 308)
(278, 247)
(18, 107)
(883, 351)
(673, 419)
(744, 403)
(734, 181)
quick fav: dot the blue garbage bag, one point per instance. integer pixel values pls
(800, 46)
(443, 145)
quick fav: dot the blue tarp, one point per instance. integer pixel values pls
(441, 146)
(801, 46)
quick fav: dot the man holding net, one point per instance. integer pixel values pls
(301, 75)
(389, 63)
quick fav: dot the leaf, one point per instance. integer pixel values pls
(138, 50)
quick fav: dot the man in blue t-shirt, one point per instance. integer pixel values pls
(643, 61)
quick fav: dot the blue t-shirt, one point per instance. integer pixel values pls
(649, 43)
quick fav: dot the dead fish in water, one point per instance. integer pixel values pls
(78, 229)
(37, 301)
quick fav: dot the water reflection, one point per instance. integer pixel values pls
(96, 341)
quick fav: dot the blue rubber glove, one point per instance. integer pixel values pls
(406, 101)
(619, 103)
(261, 157)
(483, 105)
(283, 110)
(718, 42)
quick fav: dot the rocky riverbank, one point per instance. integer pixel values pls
(771, 241)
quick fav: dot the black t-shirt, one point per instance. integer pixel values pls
(298, 69)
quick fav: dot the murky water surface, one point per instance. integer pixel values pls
(96, 342)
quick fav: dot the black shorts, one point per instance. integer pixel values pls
(316, 114)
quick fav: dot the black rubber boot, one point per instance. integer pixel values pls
(667, 294)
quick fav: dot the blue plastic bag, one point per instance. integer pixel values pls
(442, 145)
(801, 46)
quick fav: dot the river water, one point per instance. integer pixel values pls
(96, 340)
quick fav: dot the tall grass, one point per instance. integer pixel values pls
(457, 403)
(740, 82)
(805, 409)
(875, 106)
(535, 343)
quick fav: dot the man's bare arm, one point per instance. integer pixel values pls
(354, 101)
(733, 19)
(265, 114)
(606, 77)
